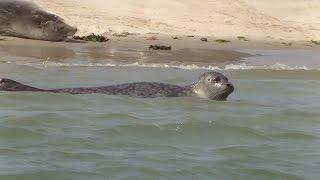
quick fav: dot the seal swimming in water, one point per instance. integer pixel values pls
(25, 19)
(211, 85)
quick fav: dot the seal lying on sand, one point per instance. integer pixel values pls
(26, 20)
(211, 85)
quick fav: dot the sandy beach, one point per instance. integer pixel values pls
(259, 20)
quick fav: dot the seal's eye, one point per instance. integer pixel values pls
(217, 79)
(227, 79)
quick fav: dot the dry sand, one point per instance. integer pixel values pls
(255, 19)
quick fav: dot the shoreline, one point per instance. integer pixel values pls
(133, 50)
(142, 41)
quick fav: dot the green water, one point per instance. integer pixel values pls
(268, 129)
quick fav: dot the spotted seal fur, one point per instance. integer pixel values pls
(211, 85)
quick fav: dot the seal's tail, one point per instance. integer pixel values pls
(11, 85)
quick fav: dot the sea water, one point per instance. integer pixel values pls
(269, 128)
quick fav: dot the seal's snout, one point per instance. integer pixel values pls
(72, 30)
(230, 86)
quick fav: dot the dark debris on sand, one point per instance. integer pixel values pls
(222, 41)
(152, 38)
(158, 47)
(315, 42)
(92, 38)
(204, 39)
(176, 37)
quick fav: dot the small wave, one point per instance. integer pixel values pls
(18, 133)
(277, 66)
(240, 66)
(136, 64)
(295, 135)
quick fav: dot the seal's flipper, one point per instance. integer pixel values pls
(11, 85)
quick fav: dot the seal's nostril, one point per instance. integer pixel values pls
(229, 85)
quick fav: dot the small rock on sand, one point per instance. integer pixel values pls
(204, 39)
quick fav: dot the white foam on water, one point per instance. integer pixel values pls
(277, 66)
(136, 64)
(239, 66)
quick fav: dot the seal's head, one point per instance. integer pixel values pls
(214, 86)
(50, 27)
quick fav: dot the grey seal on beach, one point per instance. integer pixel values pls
(211, 85)
(25, 19)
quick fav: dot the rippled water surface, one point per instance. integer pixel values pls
(268, 129)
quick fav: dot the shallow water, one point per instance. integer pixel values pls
(268, 129)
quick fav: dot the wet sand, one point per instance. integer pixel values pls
(135, 49)
(121, 50)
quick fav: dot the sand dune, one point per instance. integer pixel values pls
(272, 19)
